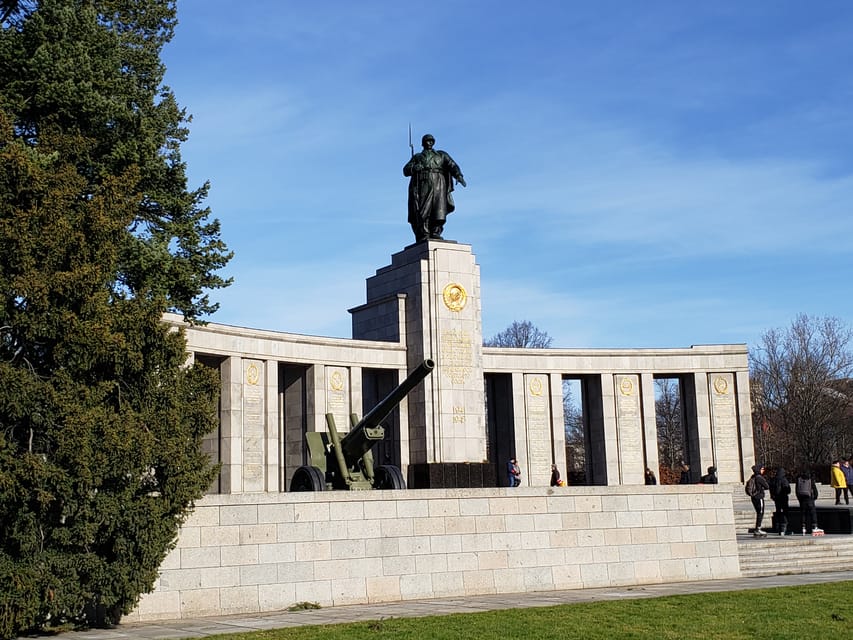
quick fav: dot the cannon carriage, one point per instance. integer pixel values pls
(346, 462)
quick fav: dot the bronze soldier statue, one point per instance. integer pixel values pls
(431, 189)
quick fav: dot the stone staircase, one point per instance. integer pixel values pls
(778, 555)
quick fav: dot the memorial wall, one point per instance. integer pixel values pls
(265, 552)
(426, 304)
(260, 547)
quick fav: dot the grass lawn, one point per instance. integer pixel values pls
(822, 612)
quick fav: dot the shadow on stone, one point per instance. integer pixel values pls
(833, 520)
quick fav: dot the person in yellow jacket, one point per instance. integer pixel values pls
(839, 483)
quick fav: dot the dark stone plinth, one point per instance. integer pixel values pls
(835, 519)
(452, 475)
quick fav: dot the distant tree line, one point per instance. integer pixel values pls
(520, 335)
(802, 393)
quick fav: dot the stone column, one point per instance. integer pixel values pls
(519, 420)
(356, 386)
(650, 427)
(315, 388)
(725, 397)
(629, 430)
(537, 401)
(231, 424)
(699, 442)
(404, 433)
(558, 425)
(273, 430)
(610, 438)
(254, 423)
(724, 427)
(747, 444)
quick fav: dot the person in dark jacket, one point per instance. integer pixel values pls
(650, 477)
(847, 470)
(780, 489)
(711, 476)
(513, 473)
(806, 495)
(757, 496)
(555, 476)
(685, 474)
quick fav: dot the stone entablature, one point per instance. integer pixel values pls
(718, 357)
(263, 344)
(257, 553)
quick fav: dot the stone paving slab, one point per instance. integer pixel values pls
(203, 627)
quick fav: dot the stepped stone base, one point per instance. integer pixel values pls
(784, 555)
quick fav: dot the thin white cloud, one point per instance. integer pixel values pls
(666, 175)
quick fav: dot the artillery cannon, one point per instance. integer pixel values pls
(347, 462)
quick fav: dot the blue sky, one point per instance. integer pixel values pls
(640, 174)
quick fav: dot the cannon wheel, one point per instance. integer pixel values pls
(308, 479)
(388, 477)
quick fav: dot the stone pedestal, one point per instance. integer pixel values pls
(248, 439)
(441, 284)
(629, 429)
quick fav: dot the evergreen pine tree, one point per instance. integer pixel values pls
(100, 420)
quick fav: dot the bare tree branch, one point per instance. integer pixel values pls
(522, 335)
(670, 423)
(802, 394)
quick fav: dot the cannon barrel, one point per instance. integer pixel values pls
(365, 434)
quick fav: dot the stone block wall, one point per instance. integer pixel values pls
(264, 552)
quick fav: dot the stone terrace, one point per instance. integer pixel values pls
(265, 552)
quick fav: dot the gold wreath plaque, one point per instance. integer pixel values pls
(253, 374)
(454, 296)
(626, 386)
(337, 381)
(535, 386)
(721, 385)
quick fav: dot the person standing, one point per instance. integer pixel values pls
(847, 470)
(555, 476)
(650, 477)
(838, 482)
(685, 474)
(513, 472)
(432, 173)
(806, 495)
(780, 489)
(755, 488)
(711, 476)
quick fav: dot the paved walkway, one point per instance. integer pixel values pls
(202, 627)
